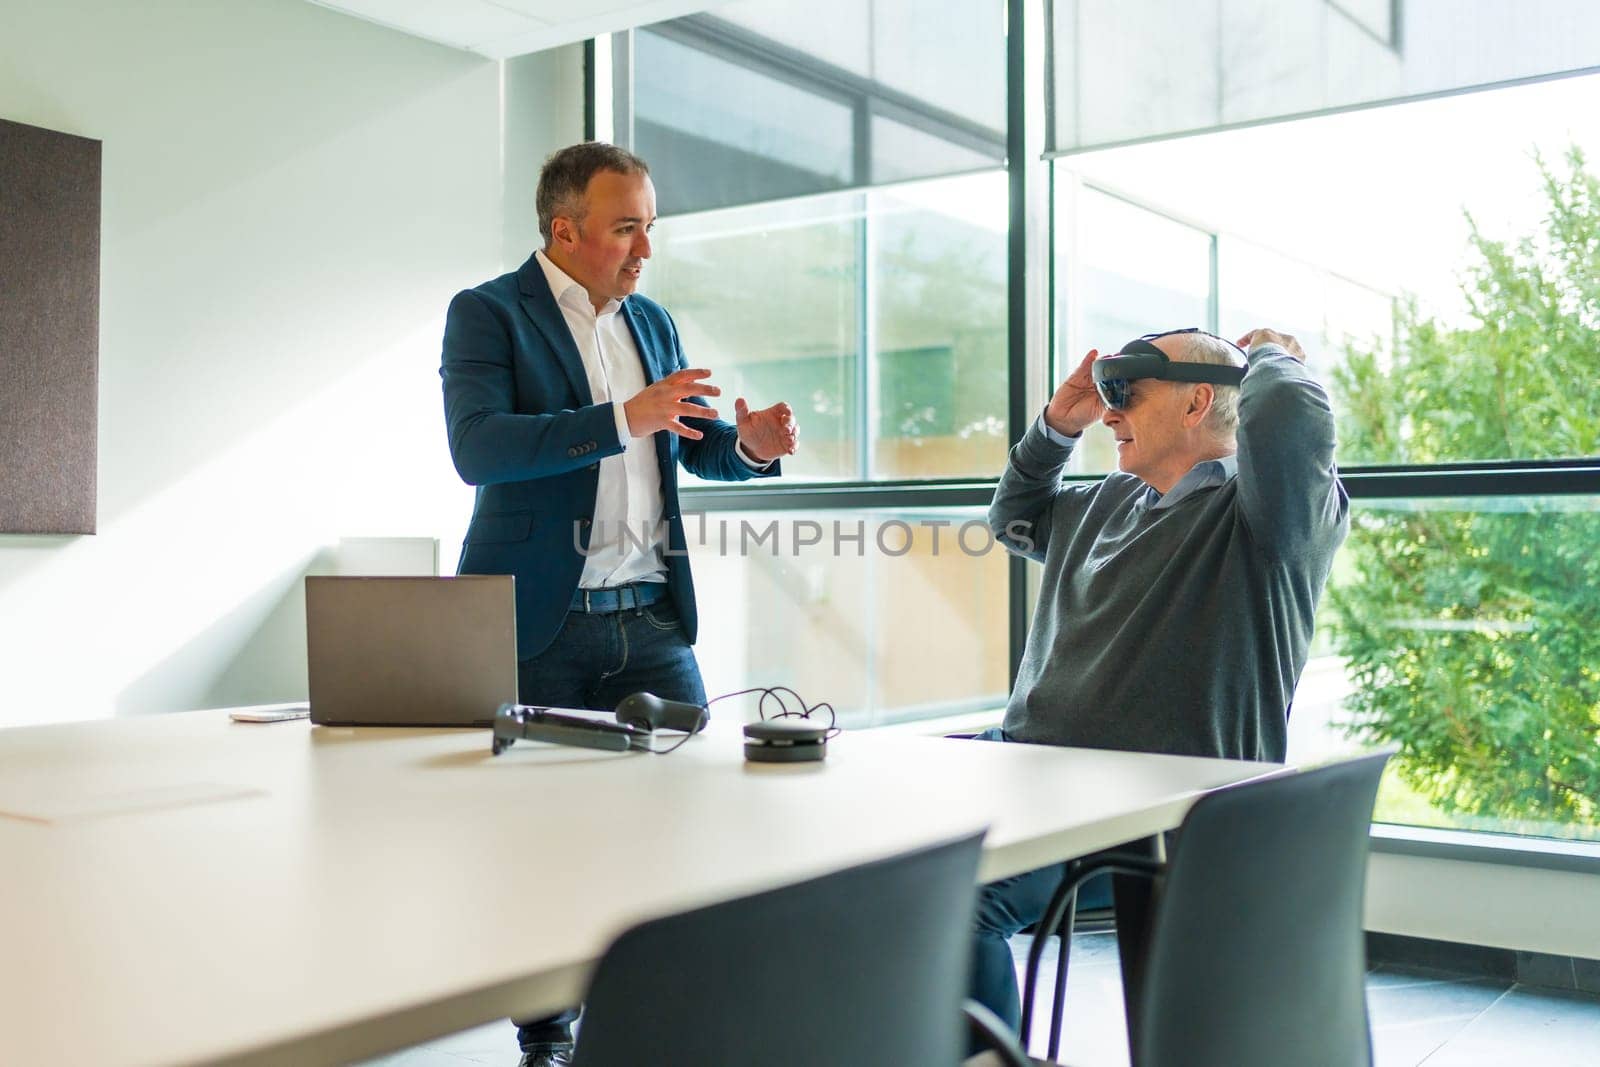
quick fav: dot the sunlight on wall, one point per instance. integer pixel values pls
(206, 559)
(277, 256)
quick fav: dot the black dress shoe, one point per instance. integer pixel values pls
(547, 1056)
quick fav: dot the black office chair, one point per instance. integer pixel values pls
(1256, 952)
(862, 968)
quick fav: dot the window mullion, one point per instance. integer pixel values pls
(866, 379)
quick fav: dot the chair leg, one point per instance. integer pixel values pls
(1063, 955)
(1133, 867)
(1065, 897)
(1131, 898)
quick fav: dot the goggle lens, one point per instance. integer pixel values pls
(1114, 392)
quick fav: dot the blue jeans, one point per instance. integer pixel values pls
(1005, 908)
(597, 659)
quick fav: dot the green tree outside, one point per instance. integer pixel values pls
(1472, 628)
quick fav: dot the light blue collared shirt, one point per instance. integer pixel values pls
(1206, 474)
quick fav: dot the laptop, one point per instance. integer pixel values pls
(410, 651)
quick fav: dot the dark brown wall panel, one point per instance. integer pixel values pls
(49, 329)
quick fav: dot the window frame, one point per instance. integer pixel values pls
(865, 97)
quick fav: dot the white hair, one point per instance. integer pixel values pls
(1223, 418)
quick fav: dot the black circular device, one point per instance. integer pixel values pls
(792, 740)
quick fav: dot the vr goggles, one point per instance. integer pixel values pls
(1113, 375)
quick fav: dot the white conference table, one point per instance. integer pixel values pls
(182, 889)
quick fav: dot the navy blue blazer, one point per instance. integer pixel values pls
(526, 431)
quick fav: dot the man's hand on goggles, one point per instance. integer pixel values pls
(1273, 337)
(1076, 403)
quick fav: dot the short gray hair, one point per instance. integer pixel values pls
(1223, 418)
(566, 176)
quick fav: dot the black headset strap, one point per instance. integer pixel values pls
(1214, 373)
(1171, 370)
(1141, 347)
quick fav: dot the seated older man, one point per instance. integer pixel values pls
(1179, 592)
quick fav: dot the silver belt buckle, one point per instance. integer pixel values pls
(587, 606)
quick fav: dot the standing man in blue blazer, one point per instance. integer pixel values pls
(570, 405)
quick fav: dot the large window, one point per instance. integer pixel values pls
(879, 315)
(833, 235)
(841, 202)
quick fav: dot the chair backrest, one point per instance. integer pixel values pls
(865, 967)
(1257, 954)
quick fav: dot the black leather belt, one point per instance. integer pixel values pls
(621, 598)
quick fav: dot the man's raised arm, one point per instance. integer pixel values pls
(1288, 483)
(1020, 515)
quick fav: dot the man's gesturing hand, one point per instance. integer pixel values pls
(1076, 403)
(1273, 337)
(768, 433)
(661, 406)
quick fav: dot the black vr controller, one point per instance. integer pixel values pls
(646, 711)
(638, 716)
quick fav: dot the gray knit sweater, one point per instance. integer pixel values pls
(1178, 629)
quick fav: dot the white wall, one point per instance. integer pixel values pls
(1485, 904)
(291, 197)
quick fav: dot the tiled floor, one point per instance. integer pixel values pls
(1429, 1018)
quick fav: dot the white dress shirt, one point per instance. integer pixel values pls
(629, 493)
(628, 497)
